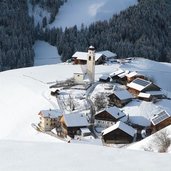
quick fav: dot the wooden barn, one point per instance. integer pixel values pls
(109, 116)
(120, 133)
(72, 123)
(120, 98)
(140, 85)
(160, 121)
(81, 58)
(108, 55)
(133, 75)
(119, 76)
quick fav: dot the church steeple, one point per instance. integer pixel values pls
(91, 64)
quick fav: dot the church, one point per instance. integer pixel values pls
(87, 76)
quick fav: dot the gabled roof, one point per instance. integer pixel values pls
(122, 75)
(107, 53)
(122, 126)
(132, 74)
(114, 111)
(163, 115)
(50, 113)
(144, 95)
(139, 84)
(75, 120)
(123, 94)
(116, 72)
(83, 55)
(104, 77)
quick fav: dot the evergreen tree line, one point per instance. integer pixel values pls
(141, 30)
(16, 35)
(51, 6)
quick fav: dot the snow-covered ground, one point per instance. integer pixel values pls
(45, 54)
(76, 12)
(26, 156)
(24, 92)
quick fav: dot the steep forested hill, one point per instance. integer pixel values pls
(141, 30)
(16, 35)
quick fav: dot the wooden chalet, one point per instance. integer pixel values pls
(109, 116)
(160, 120)
(140, 85)
(108, 55)
(81, 58)
(72, 123)
(49, 119)
(120, 98)
(119, 133)
(119, 76)
(133, 75)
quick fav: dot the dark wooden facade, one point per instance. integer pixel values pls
(117, 136)
(161, 125)
(118, 102)
(105, 116)
(69, 131)
(130, 79)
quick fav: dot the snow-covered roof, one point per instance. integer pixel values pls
(122, 75)
(104, 77)
(84, 55)
(144, 95)
(139, 84)
(85, 130)
(123, 94)
(115, 112)
(50, 113)
(155, 93)
(117, 72)
(122, 126)
(141, 112)
(107, 53)
(75, 120)
(132, 74)
(163, 115)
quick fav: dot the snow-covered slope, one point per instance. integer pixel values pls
(45, 54)
(24, 92)
(19, 156)
(76, 12)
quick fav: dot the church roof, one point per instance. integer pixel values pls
(84, 55)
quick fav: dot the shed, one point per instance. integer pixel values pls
(109, 116)
(120, 133)
(120, 98)
(144, 96)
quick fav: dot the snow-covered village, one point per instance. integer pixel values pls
(85, 85)
(118, 107)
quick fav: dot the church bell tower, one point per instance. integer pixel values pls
(91, 64)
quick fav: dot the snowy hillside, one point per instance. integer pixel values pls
(24, 92)
(45, 54)
(22, 156)
(76, 12)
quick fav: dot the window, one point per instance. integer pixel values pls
(89, 58)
